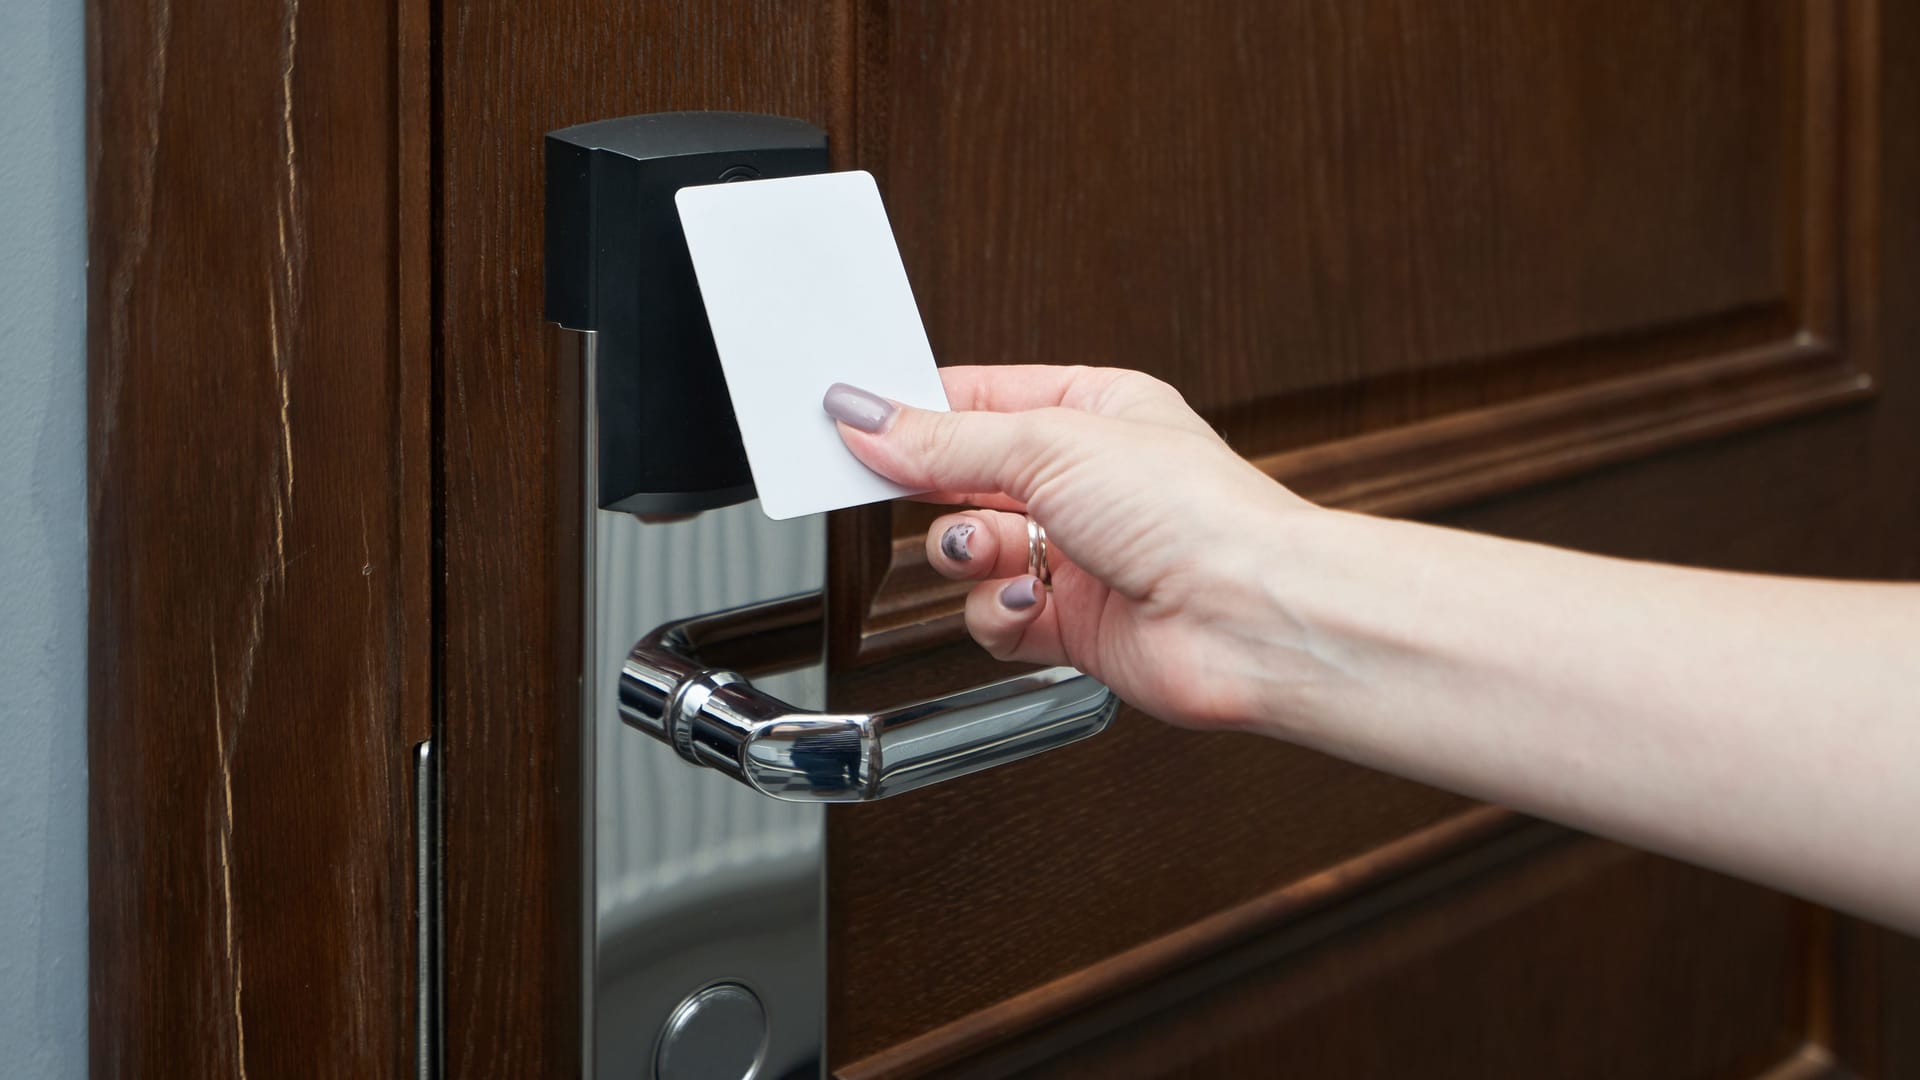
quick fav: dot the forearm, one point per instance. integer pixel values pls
(1769, 727)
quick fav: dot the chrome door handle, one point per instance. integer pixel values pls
(716, 718)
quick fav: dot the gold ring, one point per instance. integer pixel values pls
(1037, 554)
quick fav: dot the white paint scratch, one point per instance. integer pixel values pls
(224, 754)
(243, 691)
(290, 233)
(227, 740)
(282, 493)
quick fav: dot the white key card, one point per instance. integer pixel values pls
(804, 288)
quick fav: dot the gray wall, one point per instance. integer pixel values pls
(43, 782)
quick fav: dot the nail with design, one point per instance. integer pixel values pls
(956, 542)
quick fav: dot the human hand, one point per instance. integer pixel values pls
(1159, 534)
(1523, 675)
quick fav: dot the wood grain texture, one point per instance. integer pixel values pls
(508, 73)
(1499, 341)
(1046, 1010)
(267, 453)
(1540, 968)
(1038, 869)
(1253, 199)
(259, 627)
(1752, 472)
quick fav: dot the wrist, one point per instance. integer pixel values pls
(1273, 663)
(1297, 614)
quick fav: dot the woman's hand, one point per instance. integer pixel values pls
(1679, 710)
(1159, 534)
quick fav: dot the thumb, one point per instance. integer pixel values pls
(946, 451)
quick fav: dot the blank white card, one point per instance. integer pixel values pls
(804, 288)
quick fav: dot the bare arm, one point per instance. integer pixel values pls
(1768, 727)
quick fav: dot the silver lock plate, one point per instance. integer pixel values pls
(692, 878)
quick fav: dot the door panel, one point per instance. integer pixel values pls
(1401, 254)
(1034, 871)
(1408, 260)
(1633, 277)
(1251, 200)
(1591, 959)
(1601, 274)
(260, 634)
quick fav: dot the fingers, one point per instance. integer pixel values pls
(1012, 620)
(992, 500)
(1009, 447)
(1019, 387)
(1115, 392)
(1007, 453)
(1009, 614)
(978, 544)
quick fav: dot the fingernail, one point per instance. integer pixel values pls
(856, 408)
(954, 542)
(1021, 593)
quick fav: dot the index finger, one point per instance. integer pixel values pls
(1115, 392)
(1018, 387)
(970, 451)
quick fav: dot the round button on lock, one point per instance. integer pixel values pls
(718, 1033)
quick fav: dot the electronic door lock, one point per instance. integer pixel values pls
(707, 747)
(662, 439)
(617, 266)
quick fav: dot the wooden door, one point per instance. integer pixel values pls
(1630, 276)
(1606, 275)
(260, 534)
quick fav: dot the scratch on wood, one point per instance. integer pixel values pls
(283, 492)
(291, 234)
(283, 317)
(227, 738)
(244, 695)
(235, 968)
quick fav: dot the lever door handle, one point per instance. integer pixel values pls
(715, 717)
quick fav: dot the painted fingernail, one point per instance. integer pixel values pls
(1021, 593)
(856, 408)
(954, 543)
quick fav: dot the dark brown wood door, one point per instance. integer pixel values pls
(1622, 276)
(1605, 275)
(1630, 276)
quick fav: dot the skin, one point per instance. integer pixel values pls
(1766, 727)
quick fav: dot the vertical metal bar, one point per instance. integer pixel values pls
(589, 686)
(698, 881)
(427, 1018)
